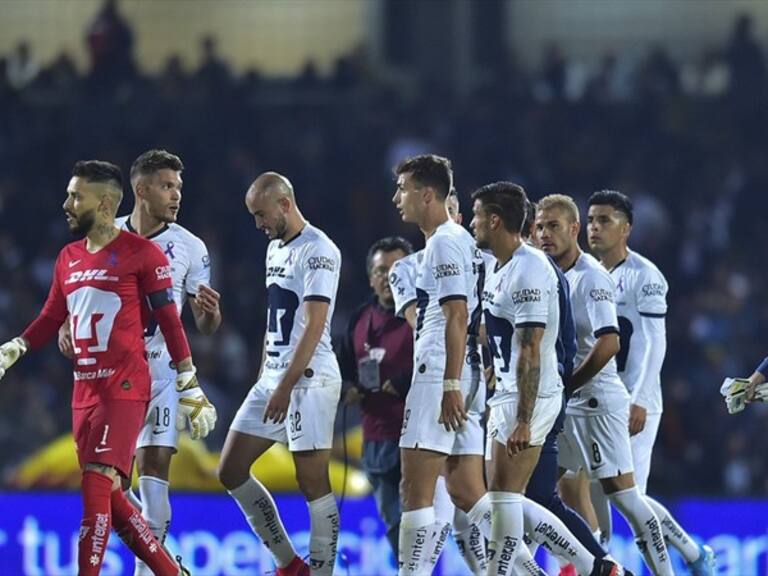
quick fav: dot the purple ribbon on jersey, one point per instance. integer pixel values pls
(169, 250)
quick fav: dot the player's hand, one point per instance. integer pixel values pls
(277, 407)
(65, 341)
(352, 396)
(452, 411)
(206, 300)
(196, 410)
(637, 417)
(735, 392)
(520, 439)
(194, 406)
(10, 352)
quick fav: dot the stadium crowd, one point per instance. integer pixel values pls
(684, 140)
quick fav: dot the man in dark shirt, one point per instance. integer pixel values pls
(377, 360)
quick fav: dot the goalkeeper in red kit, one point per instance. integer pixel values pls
(108, 285)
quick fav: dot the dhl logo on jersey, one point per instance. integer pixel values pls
(90, 275)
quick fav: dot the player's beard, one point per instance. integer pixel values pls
(83, 223)
(281, 227)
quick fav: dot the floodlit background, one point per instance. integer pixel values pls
(664, 100)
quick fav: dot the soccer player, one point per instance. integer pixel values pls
(521, 302)
(596, 435)
(469, 539)
(109, 285)
(446, 395)
(295, 398)
(542, 487)
(641, 299)
(156, 182)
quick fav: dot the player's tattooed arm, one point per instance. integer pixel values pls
(528, 370)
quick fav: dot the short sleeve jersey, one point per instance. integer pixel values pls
(402, 281)
(522, 293)
(452, 269)
(594, 314)
(105, 296)
(641, 292)
(190, 267)
(306, 268)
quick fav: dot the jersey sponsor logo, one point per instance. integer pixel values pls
(653, 289)
(526, 295)
(601, 295)
(321, 263)
(95, 275)
(276, 272)
(206, 261)
(446, 270)
(488, 297)
(94, 374)
(163, 272)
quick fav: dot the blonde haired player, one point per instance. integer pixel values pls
(596, 434)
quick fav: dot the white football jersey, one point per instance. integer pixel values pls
(190, 267)
(452, 269)
(594, 314)
(402, 281)
(306, 268)
(522, 293)
(641, 292)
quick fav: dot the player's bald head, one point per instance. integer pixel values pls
(272, 186)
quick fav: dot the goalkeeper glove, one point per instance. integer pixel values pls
(194, 406)
(735, 392)
(10, 352)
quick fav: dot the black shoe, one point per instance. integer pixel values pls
(604, 567)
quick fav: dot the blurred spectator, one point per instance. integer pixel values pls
(21, 69)
(746, 61)
(110, 44)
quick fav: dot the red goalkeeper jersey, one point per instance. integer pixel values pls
(105, 296)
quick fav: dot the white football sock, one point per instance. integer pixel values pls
(602, 506)
(156, 511)
(415, 531)
(674, 533)
(646, 528)
(443, 517)
(323, 534)
(480, 515)
(133, 499)
(525, 565)
(544, 527)
(262, 515)
(470, 542)
(506, 541)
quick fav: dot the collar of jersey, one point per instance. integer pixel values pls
(130, 228)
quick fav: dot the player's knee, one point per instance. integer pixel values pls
(231, 475)
(461, 498)
(155, 463)
(313, 485)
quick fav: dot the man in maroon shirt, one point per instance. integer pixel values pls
(108, 285)
(377, 359)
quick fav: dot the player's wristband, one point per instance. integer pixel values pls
(451, 385)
